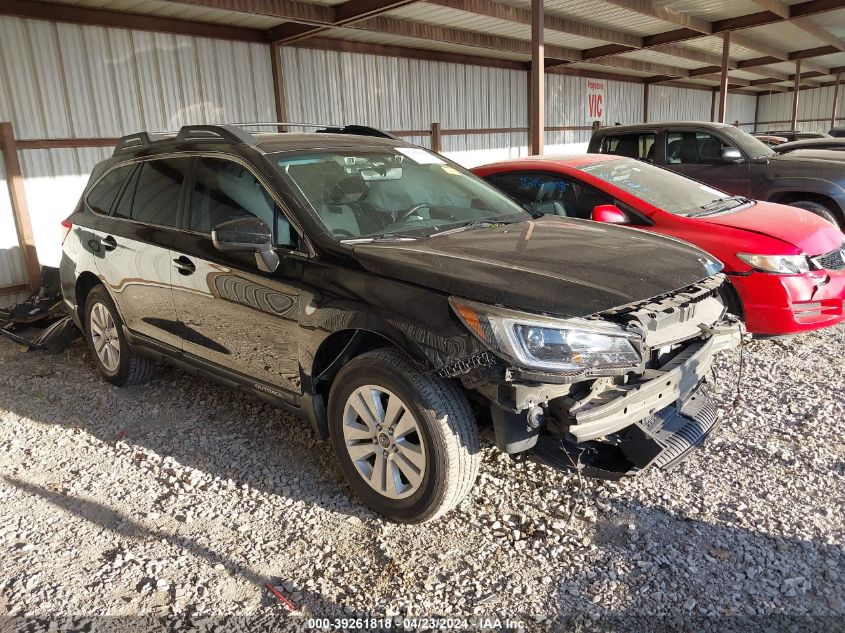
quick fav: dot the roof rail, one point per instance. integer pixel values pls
(360, 130)
(132, 141)
(233, 133)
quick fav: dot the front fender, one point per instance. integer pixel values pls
(417, 320)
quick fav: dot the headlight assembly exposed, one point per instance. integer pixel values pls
(784, 264)
(547, 344)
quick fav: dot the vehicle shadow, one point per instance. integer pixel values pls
(120, 526)
(647, 565)
(228, 435)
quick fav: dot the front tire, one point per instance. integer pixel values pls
(116, 361)
(819, 209)
(406, 443)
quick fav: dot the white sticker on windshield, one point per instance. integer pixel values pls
(714, 192)
(420, 156)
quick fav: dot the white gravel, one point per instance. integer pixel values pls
(176, 501)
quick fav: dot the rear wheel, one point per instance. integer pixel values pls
(819, 209)
(104, 332)
(407, 443)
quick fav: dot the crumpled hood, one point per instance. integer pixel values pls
(807, 231)
(558, 266)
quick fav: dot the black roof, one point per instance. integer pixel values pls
(662, 124)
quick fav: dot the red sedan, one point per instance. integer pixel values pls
(786, 266)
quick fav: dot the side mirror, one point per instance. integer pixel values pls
(247, 235)
(730, 155)
(609, 213)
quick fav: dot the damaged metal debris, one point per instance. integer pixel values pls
(44, 309)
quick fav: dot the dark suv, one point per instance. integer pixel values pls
(400, 304)
(731, 160)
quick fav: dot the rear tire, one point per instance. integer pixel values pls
(412, 454)
(819, 209)
(116, 361)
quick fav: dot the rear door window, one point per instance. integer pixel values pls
(639, 145)
(154, 192)
(693, 148)
(102, 197)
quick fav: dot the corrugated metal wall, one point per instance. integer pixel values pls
(565, 106)
(742, 108)
(409, 94)
(12, 270)
(669, 103)
(67, 81)
(815, 103)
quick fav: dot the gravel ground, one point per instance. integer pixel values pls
(173, 503)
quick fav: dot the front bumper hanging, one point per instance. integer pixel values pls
(653, 423)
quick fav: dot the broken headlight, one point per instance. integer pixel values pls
(544, 343)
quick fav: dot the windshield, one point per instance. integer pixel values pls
(401, 192)
(659, 187)
(750, 145)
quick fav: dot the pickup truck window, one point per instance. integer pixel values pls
(693, 148)
(639, 146)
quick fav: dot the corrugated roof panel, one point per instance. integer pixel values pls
(829, 61)
(713, 44)
(784, 36)
(448, 17)
(608, 69)
(657, 57)
(744, 74)
(164, 8)
(832, 21)
(395, 40)
(711, 10)
(600, 13)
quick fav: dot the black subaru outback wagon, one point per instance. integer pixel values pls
(400, 304)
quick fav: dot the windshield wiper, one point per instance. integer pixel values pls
(384, 237)
(721, 204)
(475, 224)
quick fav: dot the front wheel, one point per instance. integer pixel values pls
(817, 208)
(407, 443)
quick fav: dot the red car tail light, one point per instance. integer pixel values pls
(67, 225)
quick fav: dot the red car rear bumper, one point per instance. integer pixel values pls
(789, 304)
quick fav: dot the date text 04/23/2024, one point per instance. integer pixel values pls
(475, 623)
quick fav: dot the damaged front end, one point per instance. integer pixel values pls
(613, 393)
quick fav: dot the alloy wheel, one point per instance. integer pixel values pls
(384, 441)
(104, 337)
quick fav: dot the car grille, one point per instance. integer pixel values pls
(832, 260)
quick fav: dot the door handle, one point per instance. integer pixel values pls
(184, 265)
(108, 243)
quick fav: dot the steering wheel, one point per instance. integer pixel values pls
(404, 215)
(342, 233)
